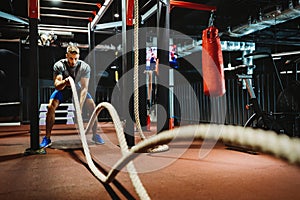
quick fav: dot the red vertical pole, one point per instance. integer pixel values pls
(129, 13)
(34, 9)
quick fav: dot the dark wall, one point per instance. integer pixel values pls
(9, 80)
(9, 75)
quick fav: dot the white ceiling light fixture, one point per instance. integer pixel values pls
(116, 15)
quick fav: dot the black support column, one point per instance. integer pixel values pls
(163, 22)
(92, 60)
(142, 79)
(33, 9)
(34, 84)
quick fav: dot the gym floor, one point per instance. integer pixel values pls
(62, 173)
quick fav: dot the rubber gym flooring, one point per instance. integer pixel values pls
(62, 173)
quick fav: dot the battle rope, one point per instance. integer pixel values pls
(281, 146)
(269, 142)
(141, 191)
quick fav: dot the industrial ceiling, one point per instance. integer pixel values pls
(268, 22)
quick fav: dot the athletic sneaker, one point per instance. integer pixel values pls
(45, 143)
(97, 139)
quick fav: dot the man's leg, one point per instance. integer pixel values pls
(149, 89)
(90, 105)
(50, 117)
(55, 98)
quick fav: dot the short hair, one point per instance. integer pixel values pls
(72, 49)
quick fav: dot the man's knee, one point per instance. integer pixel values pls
(52, 106)
(90, 105)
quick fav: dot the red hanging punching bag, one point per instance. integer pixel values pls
(212, 63)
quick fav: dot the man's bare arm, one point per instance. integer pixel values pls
(84, 89)
(60, 83)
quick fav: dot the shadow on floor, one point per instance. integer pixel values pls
(74, 154)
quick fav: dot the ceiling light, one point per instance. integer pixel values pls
(116, 15)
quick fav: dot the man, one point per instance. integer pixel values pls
(71, 66)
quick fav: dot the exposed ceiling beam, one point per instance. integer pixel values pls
(68, 10)
(100, 13)
(270, 19)
(12, 18)
(73, 29)
(54, 28)
(194, 6)
(73, 2)
(148, 14)
(181, 4)
(108, 25)
(65, 16)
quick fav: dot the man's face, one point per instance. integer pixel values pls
(72, 59)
